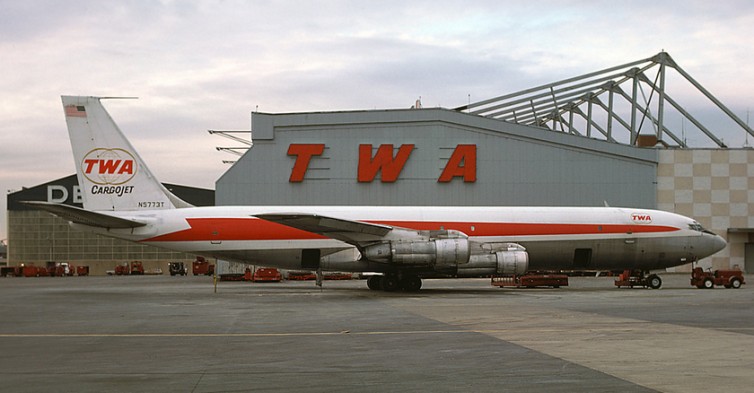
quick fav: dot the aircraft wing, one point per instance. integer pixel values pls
(82, 216)
(351, 232)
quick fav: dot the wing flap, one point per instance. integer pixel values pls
(82, 216)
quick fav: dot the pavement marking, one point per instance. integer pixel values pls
(227, 335)
(661, 356)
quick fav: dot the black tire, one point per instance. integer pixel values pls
(390, 283)
(374, 283)
(411, 283)
(654, 281)
(708, 283)
(735, 283)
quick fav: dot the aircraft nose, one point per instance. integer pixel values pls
(710, 244)
(718, 243)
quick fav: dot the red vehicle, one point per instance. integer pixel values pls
(265, 274)
(201, 267)
(135, 267)
(57, 269)
(726, 278)
(301, 276)
(34, 271)
(637, 278)
(82, 270)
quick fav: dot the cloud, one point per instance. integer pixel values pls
(207, 64)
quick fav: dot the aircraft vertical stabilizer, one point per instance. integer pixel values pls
(111, 174)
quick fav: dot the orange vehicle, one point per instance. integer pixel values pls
(727, 278)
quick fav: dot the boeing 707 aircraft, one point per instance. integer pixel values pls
(123, 199)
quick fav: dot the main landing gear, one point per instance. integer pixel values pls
(393, 282)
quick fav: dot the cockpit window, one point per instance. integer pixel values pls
(695, 226)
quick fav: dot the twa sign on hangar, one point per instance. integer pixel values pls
(431, 157)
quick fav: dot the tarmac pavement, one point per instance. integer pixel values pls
(174, 334)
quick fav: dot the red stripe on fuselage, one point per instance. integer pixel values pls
(228, 229)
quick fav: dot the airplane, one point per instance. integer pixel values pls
(401, 244)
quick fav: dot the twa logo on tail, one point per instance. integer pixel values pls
(641, 218)
(109, 166)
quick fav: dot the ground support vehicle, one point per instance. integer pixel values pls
(58, 269)
(262, 274)
(528, 280)
(34, 271)
(12, 271)
(201, 267)
(301, 276)
(727, 278)
(265, 274)
(337, 276)
(124, 269)
(638, 278)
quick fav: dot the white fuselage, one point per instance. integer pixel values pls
(565, 238)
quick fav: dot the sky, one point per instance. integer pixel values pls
(199, 65)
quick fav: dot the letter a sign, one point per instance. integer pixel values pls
(461, 164)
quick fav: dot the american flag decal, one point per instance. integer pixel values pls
(75, 111)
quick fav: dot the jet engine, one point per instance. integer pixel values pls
(451, 248)
(508, 258)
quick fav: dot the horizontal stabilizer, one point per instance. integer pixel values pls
(353, 232)
(81, 216)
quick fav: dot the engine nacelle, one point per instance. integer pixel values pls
(430, 252)
(512, 259)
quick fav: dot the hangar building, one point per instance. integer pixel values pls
(35, 236)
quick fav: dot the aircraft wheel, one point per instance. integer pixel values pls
(654, 281)
(735, 283)
(374, 283)
(390, 283)
(411, 283)
(708, 283)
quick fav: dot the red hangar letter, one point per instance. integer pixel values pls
(465, 154)
(382, 160)
(303, 153)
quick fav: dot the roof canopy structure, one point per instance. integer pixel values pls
(617, 104)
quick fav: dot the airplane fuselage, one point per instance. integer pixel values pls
(577, 238)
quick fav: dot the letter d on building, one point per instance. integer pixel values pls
(60, 191)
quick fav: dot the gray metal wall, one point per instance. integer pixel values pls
(516, 165)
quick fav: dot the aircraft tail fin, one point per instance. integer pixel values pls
(111, 174)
